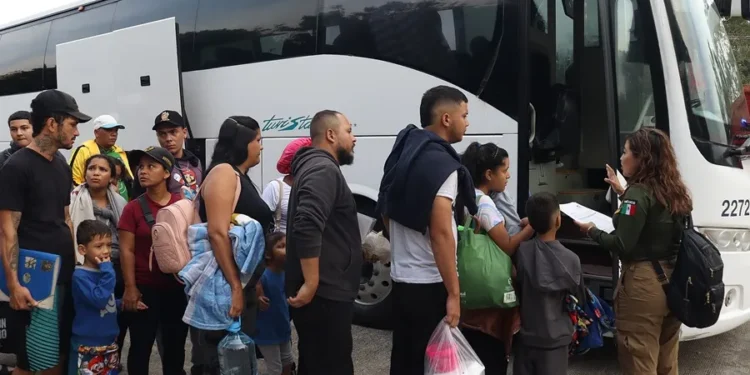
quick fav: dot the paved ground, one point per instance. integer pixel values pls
(722, 355)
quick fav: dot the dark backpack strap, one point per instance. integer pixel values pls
(689, 221)
(660, 275)
(74, 156)
(146, 211)
(179, 170)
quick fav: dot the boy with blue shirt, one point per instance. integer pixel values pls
(274, 333)
(94, 347)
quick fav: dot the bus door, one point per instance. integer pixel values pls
(567, 84)
(132, 74)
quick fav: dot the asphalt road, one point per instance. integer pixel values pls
(721, 355)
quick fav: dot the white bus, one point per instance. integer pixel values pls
(558, 83)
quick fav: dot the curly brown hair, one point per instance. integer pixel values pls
(658, 171)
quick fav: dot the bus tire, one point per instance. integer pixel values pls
(372, 306)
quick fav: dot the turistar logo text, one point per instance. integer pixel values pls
(287, 124)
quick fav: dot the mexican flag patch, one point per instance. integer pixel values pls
(628, 207)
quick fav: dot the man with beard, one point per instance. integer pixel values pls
(34, 214)
(20, 133)
(324, 251)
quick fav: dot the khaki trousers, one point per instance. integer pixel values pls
(647, 333)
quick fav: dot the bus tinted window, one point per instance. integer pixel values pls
(137, 12)
(22, 59)
(91, 22)
(453, 40)
(234, 32)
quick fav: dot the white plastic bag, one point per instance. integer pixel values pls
(448, 353)
(376, 247)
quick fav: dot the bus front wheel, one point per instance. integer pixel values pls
(372, 307)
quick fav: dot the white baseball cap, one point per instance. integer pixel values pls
(107, 122)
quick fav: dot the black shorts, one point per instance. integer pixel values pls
(45, 341)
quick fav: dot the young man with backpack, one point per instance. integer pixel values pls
(171, 132)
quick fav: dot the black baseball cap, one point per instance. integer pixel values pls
(56, 101)
(173, 118)
(161, 155)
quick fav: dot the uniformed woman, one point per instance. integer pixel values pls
(648, 227)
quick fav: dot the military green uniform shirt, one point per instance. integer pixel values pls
(644, 228)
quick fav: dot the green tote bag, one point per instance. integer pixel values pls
(484, 271)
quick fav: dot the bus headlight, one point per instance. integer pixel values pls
(728, 239)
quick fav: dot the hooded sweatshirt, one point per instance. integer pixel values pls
(418, 165)
(322, 222)
(5, 155)
(547, 273)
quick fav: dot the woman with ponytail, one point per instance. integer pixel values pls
(490, 331)
(237, 150)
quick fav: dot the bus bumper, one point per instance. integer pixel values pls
(726, 323)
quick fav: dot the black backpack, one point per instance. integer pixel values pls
(695, 292)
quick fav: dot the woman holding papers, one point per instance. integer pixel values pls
(647, 226)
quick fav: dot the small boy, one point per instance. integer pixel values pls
(274, 333)
(547, 272)
(93, 344)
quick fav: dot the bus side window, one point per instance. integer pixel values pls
(455, 41)
(235, 32)
(78, 25)
(22, 59)
(136, 12)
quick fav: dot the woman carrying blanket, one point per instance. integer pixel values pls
(237, 150)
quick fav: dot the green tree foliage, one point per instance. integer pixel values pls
(738, 31)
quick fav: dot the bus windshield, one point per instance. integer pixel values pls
(710, 79)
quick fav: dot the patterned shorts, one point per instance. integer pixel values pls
(94, 360)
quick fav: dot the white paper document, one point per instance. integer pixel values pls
(587, 215)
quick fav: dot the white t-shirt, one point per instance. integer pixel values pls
(271, 197)
(412, 260)
(488, 214)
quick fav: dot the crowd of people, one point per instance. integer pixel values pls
(97, 212)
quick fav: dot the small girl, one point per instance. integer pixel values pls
(274, 333)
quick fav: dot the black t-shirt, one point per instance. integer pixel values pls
(40, 190)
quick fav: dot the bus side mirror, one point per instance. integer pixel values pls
(569, 9)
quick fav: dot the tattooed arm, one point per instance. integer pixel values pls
(20, 298)
(9, 221)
